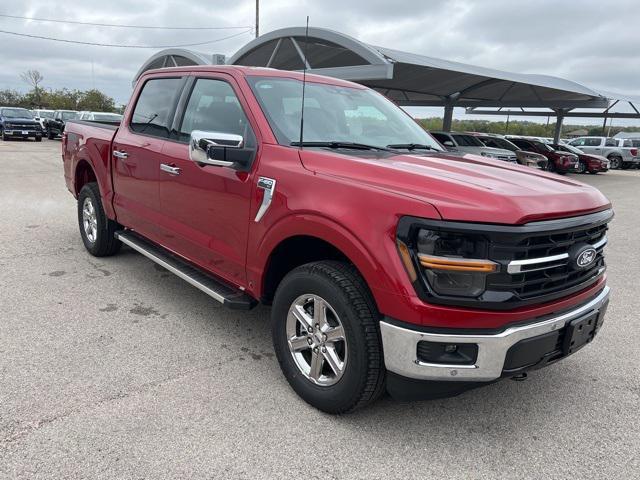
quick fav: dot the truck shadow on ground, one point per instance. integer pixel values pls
(246, 336)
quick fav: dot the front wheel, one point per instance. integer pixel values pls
(581, 167)
(96, 230)
(50, 135)
(326, 335)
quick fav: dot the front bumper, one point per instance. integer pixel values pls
(9, 132)
(401, 346)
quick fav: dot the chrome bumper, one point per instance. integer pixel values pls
(400, 347)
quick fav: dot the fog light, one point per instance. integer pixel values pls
(447, 353)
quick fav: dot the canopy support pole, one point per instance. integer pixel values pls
(559, 119)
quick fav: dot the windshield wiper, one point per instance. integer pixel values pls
(412, 146)
(151, 119)
(337, 144)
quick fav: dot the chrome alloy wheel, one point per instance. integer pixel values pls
(89, 220)
(316, 340)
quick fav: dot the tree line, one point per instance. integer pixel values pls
(39, 97)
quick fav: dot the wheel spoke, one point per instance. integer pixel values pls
(332, 358)
(317, 360)
(335, 334)
(320, 313)
(297, 344)
(301, 316)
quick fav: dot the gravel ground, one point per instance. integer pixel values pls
(114, 368)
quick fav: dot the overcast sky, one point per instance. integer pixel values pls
(596, 43)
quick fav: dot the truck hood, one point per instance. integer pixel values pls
(463, 187)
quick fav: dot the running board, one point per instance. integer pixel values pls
(216, 288)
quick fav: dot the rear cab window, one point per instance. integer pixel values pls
(154, 109)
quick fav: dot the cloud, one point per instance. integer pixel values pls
(591, 42)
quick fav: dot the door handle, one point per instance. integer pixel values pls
(169, 169)
(120, 154)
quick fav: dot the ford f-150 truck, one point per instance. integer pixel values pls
(388, 262)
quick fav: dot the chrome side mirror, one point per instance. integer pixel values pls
(210, 148)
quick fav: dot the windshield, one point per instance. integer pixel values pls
(335, 114)
(106, 117)
(69, 115)
(497, 142)
(568, 148)
(16, 113)
(467, 141)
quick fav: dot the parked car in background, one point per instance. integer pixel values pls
(620, 152)
(106, 117)
(530, 159)
(587, 162)
(41, 115)
(559, 162)
(465, 143)
(19, 123)
(55, 126)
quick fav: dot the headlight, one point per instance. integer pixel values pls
(452, 264)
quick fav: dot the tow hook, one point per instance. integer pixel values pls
(520, 378)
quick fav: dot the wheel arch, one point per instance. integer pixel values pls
(299, 240)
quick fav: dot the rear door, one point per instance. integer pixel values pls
(205, 207)
(136, 153)
(592, 145)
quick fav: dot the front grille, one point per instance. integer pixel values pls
(548, 266)
(22, 126)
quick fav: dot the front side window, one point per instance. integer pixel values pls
(523, 144)
(578, 142)
(442, 138)
(334, 113)
(592, 142)
(153, 110)
(214, 107)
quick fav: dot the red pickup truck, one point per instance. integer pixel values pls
(389, 263)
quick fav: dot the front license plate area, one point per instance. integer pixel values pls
(580, 332)
(25, 132)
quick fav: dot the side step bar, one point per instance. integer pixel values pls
(216, 288)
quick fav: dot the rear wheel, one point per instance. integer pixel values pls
(326, 335)
(615, 162)
(96, 230)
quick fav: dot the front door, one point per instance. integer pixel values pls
(136, 155)
(206, 208)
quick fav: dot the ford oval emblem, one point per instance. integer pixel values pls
(586, 258)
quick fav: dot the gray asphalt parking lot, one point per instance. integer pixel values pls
(115, 368)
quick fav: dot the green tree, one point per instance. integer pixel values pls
(96, 101)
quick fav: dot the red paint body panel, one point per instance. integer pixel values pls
(351, 201)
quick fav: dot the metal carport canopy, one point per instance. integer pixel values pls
(418, 80)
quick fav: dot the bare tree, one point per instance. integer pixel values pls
(34, 78)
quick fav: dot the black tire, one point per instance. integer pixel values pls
(340, 284)
(4, 137)
(551, 166)
(105, 243)
(582, 167)
(38, 139)
(50, 134)
(615, 162)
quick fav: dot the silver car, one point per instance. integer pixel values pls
(620, 152)
(465, 143)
